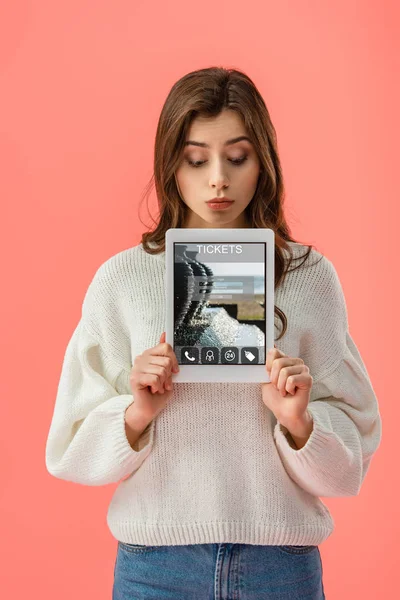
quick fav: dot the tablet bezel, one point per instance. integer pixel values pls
(221, 373)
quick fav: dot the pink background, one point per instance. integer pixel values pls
(82, 84)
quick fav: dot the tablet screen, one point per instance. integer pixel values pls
(219, 303)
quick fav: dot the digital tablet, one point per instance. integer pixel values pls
(219, 290)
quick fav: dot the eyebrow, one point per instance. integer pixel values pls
(227, 143)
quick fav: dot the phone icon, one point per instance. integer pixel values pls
(191, 358)
(189, 355)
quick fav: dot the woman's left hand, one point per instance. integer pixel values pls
(288, 393)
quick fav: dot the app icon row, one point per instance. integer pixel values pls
(212, 355)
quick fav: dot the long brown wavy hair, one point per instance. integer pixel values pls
(207, 92)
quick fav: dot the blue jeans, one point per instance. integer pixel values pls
(217, 572)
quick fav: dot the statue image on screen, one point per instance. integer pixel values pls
(202, 318)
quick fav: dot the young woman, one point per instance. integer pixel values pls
(219, 483)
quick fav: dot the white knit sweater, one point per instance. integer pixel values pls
(215, 465)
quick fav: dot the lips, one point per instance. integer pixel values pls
(218, 200)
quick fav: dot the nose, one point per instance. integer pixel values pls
(218, 178)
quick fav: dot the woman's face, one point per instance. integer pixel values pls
(217, 175)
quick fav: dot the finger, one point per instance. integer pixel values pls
(302, 380)
(169, 350)
(272, 354)
(148, 380)
(167, 384)
(284, 374)
(174, 360)
(165, 377)
(175, 363)
(164, 361)
(160, 372)
(165, 349)
(278, 364)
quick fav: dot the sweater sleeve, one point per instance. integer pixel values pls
(347, 426)
(87, 443)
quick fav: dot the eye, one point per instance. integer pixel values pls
(234, 161)
(238, 161)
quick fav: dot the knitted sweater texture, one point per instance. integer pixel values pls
(215, 465)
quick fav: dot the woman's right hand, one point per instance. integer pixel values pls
(151, 378)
